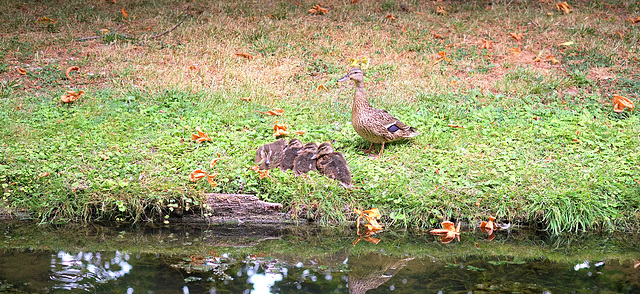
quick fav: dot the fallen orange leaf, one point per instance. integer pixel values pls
(200, 136)
(322, 87)
(300, 132)
(276, 111)
(45, 174)
(553, 59)
(517, 37)
(197, 174)
(45, 19)
(370, 215)
(455, 126)
(213, 162)
(318, 9)
(437, 36)
(635, 21)
(124, 13)
(620, 103)
(261, 173)
(71, 96)
(489, 226)
(244, 54)
(280, 130)
(564, 7)
(441, 10)
(210, 179)
(69, 69)
(444, 57)
(390, 17)
(246, 99)
(514, 51)
(486, 44)
(448, 233)
(21, 71)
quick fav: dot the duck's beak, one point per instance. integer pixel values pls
(343, 79)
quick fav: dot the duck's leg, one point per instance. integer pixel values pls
(367, 151)
(381, 148)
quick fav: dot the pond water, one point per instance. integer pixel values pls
(306, 259)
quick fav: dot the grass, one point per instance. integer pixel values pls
(538, 143)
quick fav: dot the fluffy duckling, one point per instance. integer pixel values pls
(270, 155)
(305, 161)
(333, 165)
(290, 153)
(374, 125)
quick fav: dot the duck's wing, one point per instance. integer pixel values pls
(393, 125)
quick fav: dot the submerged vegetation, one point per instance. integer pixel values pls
(527, 135)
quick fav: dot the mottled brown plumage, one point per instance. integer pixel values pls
(372, 124)
(290, 153)
(305, 161)
(333, 165)
(270, 155)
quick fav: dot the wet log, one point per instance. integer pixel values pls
(242, 208)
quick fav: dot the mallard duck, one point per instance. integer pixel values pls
(372, 124)
(333, 165)
(305, 163)
(290, 153)
(270, 155)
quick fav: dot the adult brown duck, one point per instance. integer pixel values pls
(372, 124)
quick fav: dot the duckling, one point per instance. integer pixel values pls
(270, 155)
(333, 165)
(372, 124)
(304, 162)
(290, 153)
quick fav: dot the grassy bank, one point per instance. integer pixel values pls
(502, 133)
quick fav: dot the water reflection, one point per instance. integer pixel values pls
(84, 270)
(170, 260)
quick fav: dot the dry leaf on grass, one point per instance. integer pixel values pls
(564, 7)
(634, 21)
(441, 10)
(322, 87)
(620, 103)
(553, 59)
(489, 227)
(245, 55)
(448, 232)
(443, 56)
(246, 99)
(455, 126)
(45, 19)
(300, 133)
(276, 111)
(124, 13)
(318, 9)
(370, 215)
(45, 174)
(566, 44)
(71, 96)
(213, 162)
(21, 70)
(199, 174)
(390, 17)
(486, 44)
(514, 51)
(280, 130)
(70, 69)
(363, 62)
(437, 36)
(200, 136)
(516, 36)
(261, 173)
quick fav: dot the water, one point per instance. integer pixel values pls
(274, 259)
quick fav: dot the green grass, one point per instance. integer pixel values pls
(539, 142)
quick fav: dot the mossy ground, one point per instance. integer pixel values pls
(502, 134)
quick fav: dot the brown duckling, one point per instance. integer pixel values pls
(270, 155)
(304, 162)
(290, 153)
(333, 165)
(373, 124)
